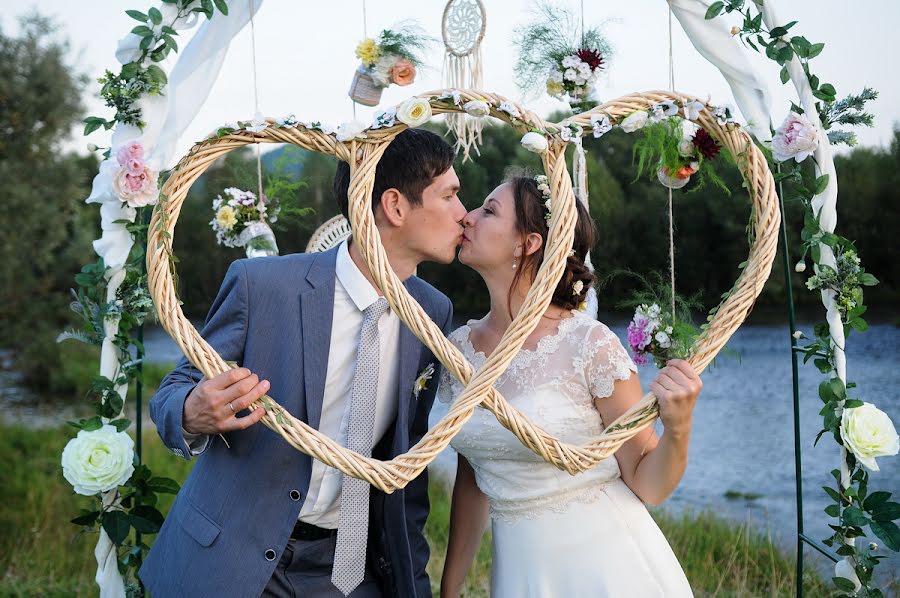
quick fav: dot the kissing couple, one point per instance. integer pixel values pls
(257, 517)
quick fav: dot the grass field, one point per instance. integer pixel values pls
(41, 553)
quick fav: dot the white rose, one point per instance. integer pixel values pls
(844, 568)
(350, 130)
(534, 142)
(477, 108)
(868, 432)
(414, 112)
(796, 138)
(634, 121)
(98, 460)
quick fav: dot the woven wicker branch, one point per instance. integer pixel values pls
(363, 156)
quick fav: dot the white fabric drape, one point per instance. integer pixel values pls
(167, 116)
(714, 41)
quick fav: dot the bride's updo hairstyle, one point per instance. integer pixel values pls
(531, 217)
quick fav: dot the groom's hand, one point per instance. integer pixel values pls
(213, 405)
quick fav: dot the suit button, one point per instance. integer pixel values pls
(295, 495)
(270, 555)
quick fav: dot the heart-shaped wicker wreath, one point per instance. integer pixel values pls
(363, 156)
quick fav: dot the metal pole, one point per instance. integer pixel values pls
(798, 467)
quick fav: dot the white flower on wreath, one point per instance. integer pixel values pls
(287, 121)
(692, 109)
(98, 460)
(868, 432)
(451, 94)
(421, 382)
(721, 114)
(662, 110)
(477, 108)
(414, 112)
(385, 118)
(257, 125)
(510, 109)
(534, 142)
(796, 138)
(326, 128)
(601, 124)
(349, 131)
(635, 121)
(569, 132)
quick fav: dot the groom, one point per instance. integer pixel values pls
(257, 516)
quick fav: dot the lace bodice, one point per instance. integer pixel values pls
(554, 385)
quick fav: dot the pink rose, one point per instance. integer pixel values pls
(130, 151)
(136, 190)
(134, 166)
(796, 138)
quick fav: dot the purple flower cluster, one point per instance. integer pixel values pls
(638, 339)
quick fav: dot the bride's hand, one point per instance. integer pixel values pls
(677, 387)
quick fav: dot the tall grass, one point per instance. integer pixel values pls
(41, 553)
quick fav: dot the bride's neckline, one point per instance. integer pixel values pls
(542, 343)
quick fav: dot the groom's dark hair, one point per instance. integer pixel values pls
(409, 164)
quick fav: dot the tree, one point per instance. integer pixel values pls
(45, 234)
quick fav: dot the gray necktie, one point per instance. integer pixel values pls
(353, 527)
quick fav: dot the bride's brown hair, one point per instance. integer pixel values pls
(531, 218)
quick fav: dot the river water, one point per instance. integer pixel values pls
(743, 427)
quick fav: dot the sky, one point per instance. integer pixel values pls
(305, 55)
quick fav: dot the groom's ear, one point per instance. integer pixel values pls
(394, 207)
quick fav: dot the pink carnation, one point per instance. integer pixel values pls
(796, 138)
(130, 151)
(134, 166)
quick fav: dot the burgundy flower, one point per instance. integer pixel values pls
(706, 145)
(591, 57)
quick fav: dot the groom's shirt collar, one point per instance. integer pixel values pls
(361, 292)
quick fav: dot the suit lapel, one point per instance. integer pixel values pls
(410, 355)
(317, 310)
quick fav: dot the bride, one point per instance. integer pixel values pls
(556, 534)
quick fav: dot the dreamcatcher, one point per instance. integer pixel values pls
(463, 29)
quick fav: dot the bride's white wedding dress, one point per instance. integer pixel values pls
(556, 534)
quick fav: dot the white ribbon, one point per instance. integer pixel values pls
(714, 42)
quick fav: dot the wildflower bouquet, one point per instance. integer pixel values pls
(242, 220)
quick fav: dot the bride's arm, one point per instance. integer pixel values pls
(468, 520)
(652, 467)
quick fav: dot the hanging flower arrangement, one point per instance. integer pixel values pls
(242, 220)
(559, 56)
(390, 59)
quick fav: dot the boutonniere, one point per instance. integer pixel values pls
(422, 381)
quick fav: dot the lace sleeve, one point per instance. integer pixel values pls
(450, 387)
(606, 361)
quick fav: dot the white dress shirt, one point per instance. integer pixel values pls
(352, 294)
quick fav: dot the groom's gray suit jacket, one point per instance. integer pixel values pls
(232, 518)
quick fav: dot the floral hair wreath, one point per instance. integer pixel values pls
(543, 185)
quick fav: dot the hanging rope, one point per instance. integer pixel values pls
(671, 218)
(259, 179)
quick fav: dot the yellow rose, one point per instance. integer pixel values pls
(226, 218)
(367, 51)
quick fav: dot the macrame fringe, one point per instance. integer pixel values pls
(464, 72)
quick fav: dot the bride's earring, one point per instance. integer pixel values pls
(514, 264)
